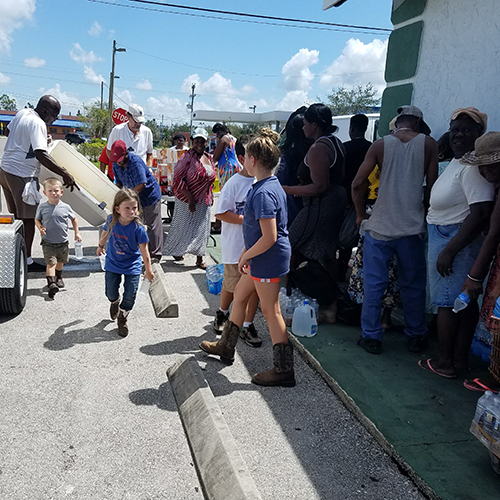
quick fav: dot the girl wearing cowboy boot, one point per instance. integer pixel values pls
(264, 260)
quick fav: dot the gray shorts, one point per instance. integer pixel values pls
(13, 187)
(55, 252)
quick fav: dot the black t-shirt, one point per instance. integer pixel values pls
(355, 154)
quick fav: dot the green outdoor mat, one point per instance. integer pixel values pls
(425, 417)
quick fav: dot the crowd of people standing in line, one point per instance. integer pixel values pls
(421, 227)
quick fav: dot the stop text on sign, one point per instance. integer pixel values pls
(119, 116)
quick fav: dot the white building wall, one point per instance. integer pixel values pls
(459, 62)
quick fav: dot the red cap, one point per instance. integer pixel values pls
(118, 151)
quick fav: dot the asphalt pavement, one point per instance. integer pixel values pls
(86, 414)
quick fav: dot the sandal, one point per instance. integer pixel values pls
(426, 365)
(178, 257)
(201, 265)
(477, 385)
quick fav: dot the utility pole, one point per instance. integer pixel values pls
(191, 107)
(112, 83)
(102, 89)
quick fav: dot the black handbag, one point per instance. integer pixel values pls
(312, 279)
(349, 231)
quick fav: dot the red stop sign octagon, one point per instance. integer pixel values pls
(119, 116)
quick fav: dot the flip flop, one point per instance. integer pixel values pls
(425, 364)
(201, 265)
(178, 258)
(477, 385)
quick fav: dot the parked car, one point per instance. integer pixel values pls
(75, 138)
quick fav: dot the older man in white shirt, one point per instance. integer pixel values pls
(137, 137)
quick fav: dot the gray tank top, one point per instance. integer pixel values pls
(399, 209)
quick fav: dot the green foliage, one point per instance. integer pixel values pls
(95, 121)
(92, 150)
(358, 99)
(7, 103)
(245, 128)
(164, 139)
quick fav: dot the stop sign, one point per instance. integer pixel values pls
(119, 116)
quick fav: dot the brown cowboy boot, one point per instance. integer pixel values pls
(224, 348)
(282, 371)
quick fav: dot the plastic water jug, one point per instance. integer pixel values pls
(304, 322)
(78, 250)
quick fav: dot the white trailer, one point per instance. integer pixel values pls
(13, 260)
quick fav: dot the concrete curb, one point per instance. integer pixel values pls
(364, 420)
(163, 300)
(222, 472)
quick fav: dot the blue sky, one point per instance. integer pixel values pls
(63, 47)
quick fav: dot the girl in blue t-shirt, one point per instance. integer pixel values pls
(127, 242)
(264, 260)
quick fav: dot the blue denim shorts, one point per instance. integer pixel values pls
(445, 290)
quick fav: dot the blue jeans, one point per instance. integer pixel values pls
(410, 254)
(445, 290)
(130, 286)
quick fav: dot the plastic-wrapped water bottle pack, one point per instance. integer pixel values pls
(288, 304)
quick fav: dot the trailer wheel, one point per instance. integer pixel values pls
(13, 300)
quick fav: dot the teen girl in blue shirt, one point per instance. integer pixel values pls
(264, 260)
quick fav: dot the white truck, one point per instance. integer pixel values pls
(13, 261)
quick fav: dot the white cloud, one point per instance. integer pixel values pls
(126, 96)
(170, 108)
(144, 85)
(78, 54)
(69, 102)
(225, 95)
(34, 62)
(13, 14)
(297, 75)
(293, 100)
(4, 79)
(358, 63)
(91, 75)
(95, 29)
(248, 89)
(111, 33)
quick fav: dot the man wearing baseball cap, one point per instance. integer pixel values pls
(396, 226)
(137, 137)
(131, 172)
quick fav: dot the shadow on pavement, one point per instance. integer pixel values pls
(64, 337)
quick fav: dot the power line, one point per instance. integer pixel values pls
(306, 24)
(259, 16)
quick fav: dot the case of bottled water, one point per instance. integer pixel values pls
(288, 303)
(215, 274)
(486, 425)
